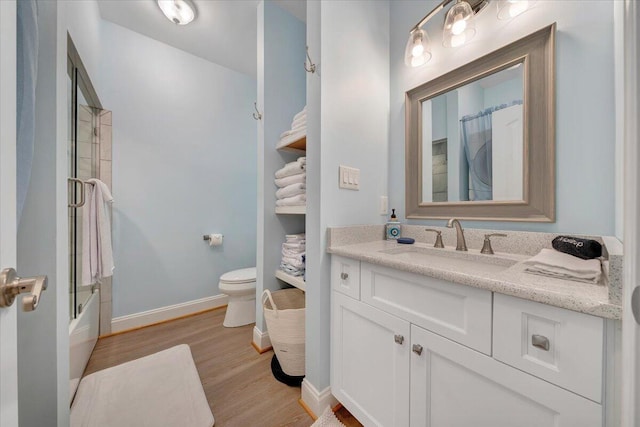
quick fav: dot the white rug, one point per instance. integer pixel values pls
(160, 390)
(328, 419)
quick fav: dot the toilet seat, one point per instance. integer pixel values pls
(243, 275)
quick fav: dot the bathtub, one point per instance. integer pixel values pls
(83, 335)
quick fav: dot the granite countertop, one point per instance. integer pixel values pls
(502, 273)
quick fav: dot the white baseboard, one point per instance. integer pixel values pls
(144, 318)
(261, 339)
(315, 400)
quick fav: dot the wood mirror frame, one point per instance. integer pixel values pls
(537, 54)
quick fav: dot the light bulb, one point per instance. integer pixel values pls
(458, 40)
(177, 11)
(417, 50)
(418, 61)
(459, 25)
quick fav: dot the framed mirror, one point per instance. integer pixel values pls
(480, 140)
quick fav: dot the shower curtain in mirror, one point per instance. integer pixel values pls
(27, 73)
(476, 135)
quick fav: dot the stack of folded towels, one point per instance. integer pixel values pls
(293, 254)
(552, 263)
(292, 184)
(297, 131)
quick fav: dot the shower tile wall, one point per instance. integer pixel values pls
(440, 176)
(104, 174)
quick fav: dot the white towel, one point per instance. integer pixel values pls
(292, 137)
(295, 237)
(302, 160)
(302, 113)
(300, 247)
(292, 253)
(293, 168)
(291, 190)
(97, 253)
(552, 263)
(299, 123)
(300, 178)
(299, 200)
(294, 262)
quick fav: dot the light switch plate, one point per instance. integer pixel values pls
(349, 178)
(384, 205)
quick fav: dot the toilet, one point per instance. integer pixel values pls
(240, 286)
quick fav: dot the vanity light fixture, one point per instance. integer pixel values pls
(508, 9)
(179, 12)
(458, 29)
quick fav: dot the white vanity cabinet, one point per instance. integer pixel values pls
(409, 350)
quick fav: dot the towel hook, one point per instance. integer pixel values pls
(312, 67)
(257, 114)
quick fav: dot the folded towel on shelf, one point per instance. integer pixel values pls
(292, 253)
(289, 169)
(292, 271)
(297, 262)
(298, 123)
(292, 137)
(302, 113)
(295, 237)
(296, 247)
(300, 178)
(302, 160)
(299, 200)
(291, 190)
(552, 263)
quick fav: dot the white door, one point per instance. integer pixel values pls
(454, 386)
(8, 329)
(370, 362)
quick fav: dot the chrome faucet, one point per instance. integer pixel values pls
(461, 244)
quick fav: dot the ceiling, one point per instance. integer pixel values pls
(224, 31)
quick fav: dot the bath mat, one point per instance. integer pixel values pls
(162, 389)
(327, 419)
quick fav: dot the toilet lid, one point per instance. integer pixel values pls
(243, 275)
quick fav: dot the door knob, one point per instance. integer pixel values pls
(11, 286)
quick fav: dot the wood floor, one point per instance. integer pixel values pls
(237, 380)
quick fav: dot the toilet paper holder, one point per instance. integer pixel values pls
(207, 237)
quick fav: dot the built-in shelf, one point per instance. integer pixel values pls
(291, 210)
(296, 281)
(297, 146)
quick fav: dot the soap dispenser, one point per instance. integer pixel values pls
(393, 227)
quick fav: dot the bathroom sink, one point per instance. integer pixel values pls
(471, 261)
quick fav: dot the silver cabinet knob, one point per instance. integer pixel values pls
(399, 339)
(540, 342)
(344, 276)
(417, 349)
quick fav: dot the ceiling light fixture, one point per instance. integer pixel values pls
(179, 12)
(458, 29)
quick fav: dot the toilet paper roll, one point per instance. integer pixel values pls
(215, 239)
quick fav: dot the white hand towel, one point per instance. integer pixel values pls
(299, 200)
(552, 263)
(97, 253)
(291, 190)
(300, 178)
(289, 169)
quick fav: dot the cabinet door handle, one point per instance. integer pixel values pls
(417, 349)
(540, 341)
(344, 276)
(398, 339)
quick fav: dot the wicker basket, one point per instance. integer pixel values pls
(284, 312)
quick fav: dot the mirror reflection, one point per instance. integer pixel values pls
(473, 141)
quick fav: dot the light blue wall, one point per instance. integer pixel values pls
(585, 116)
(353, 40)
(504, 93)
(184, 165)
(439, 117)
(281, 94)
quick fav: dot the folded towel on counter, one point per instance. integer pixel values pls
(582, 248)
(300, 178)
(291, 190)
(299, 200)
(552, 263)
(289, 169)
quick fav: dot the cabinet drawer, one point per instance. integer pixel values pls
(460, 313)
(561, 346)
(345, 276)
